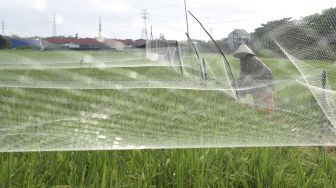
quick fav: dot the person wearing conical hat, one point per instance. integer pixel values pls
(255, 78)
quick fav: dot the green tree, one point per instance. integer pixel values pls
(4, 42)
(261, 39)
(311, 37)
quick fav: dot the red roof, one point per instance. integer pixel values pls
(79, 41)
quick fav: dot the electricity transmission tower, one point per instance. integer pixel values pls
(100, 30)
(3, 27)
(145, 17)
(54, 31)
(151, 34)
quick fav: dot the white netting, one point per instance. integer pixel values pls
(172, 94)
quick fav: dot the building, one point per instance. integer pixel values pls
(140, 43)
(17, 42)
(237, 37)
(118, 44)
(71, 43)
(161, 43)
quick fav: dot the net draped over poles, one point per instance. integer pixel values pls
(172, 94)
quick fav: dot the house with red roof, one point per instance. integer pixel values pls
(71, 43)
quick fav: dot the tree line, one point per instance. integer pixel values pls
(4, 42)
(311, 37)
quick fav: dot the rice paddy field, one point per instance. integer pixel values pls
(60, 106)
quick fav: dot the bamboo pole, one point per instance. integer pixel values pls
(222, 53)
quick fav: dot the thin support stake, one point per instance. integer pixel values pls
(186, 13)
(205, 76)
(324, 97)
(180, 57)
(197, 55)
(221, 52)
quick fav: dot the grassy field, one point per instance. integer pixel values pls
(80, 119)
(249, 167)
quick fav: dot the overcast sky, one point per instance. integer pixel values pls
(121, 18)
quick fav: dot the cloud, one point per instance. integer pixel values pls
(39, 5)
(107, 5)
(58, 19)
(138, 23)
(121, 18)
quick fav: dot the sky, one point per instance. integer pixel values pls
(122, 18)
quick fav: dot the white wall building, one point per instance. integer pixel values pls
(237, 37)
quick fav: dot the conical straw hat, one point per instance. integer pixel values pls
(242, 51)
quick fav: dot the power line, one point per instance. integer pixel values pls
(54, 31)
(145, 17)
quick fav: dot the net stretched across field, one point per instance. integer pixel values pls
(172, 94)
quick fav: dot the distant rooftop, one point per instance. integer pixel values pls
(239, 32)
(88, 41)
(80, 41)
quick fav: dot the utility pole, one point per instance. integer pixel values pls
(100, 27)
(188, 34)
(54, 31)
(3, 27)
(145, 17)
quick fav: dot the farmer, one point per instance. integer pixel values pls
(255, 78)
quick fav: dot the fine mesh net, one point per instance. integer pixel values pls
(174, 93)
